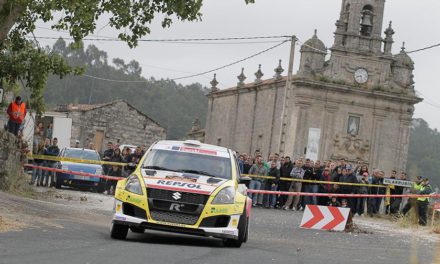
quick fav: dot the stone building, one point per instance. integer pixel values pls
(116, 121)
(196, 132)
(355, 104)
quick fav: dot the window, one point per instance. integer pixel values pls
(353, 125)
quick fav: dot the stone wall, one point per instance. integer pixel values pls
(10, 165)
(119, 122)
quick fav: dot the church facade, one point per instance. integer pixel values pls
(356, 105)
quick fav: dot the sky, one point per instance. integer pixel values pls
(415, 23)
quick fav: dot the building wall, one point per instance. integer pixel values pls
(120, 123)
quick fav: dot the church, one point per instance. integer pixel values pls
(357, 105)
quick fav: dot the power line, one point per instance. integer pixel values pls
(196, 74)
(425, 48)
(170, 40)
(233, 63)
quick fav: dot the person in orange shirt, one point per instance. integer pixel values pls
(16, 112)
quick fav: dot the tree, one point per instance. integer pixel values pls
(23, 60)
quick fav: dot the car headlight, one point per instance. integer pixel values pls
(225, 196)
(98, 171)
(133, 185)
(64, 167)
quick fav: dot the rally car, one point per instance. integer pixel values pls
(185, 187)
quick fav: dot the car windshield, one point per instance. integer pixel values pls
(81, 154)
(189, 162)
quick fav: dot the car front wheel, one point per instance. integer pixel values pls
(118, 231)
(243, 230)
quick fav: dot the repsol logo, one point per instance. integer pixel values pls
(180, 184)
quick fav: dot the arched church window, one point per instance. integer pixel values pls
(366, 21)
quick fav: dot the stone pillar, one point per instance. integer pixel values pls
(302, 128)
(327, 132)
(254, 113)
(234, 125)
(376, 139)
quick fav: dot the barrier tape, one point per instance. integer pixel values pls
(106, 177)
(317, 182)
(345, 195)
(54, 158)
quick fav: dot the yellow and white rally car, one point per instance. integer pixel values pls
(185, 187)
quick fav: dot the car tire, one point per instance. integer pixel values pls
(57, 182)
(100, 188)
(242, 232)
(138, 230)
(118, 231)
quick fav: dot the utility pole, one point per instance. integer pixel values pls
(286, 96)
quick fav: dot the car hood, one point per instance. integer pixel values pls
(185, 182)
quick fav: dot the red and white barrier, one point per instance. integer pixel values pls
(106, 177)
(345, 195)
(325, 217)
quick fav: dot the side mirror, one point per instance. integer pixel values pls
(245, 180)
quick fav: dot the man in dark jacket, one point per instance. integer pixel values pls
(107, 155)
(270, 200)
(52, 150)
(325, 188)
(349, 177)
(308, 187)
(285, 169)
(374, 203)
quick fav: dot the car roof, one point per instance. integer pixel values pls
(82, 149)
(192, 143)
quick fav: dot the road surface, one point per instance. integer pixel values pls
(73, 227)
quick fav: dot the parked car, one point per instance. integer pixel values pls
(131, 147)
(77, 181)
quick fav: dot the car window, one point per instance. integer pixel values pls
(81, 154)
(177, 160)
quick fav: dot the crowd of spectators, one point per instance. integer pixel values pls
(334, 176)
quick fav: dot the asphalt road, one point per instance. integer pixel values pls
(59, 233)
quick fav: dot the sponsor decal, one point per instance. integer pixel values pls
(219, 210)
(177, 196)
(182, 178)
(396, 182)
(234, 222)
(195, 150)
(170, 224)
(228, 232)
(118, 207)
(133, 200)
(176, 207)
(179, 184)
(121, 218)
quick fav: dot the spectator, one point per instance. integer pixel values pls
(126, 152)
(392, 191)
(114, 171)
(116, 157)
(91, 146)
(374, 203)
(360, 206)
(308, 187)
(49, 131)
(241, 163)
(286, 168)
(77, 144)
(16, 112)
(422, 203)
(107, 155)
(143, 149)
(395, 204)
(248, 164)
(334, 202)
(325, 187)
(255, 184)
(136, 156)
(37, 149)
(348, 177)
(412, 201)
(52, 150)
(296, 173)
(272, 185)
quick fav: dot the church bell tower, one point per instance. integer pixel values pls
(359, 26)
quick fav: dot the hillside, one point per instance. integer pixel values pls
(173, 105)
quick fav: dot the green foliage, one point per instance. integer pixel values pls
(172, 105)
(424, 154)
